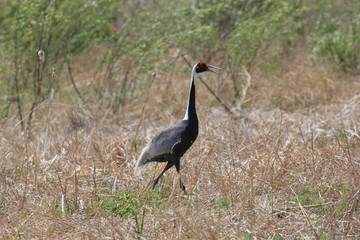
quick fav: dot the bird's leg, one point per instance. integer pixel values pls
(181, 184)
(177, 166)
(168, 166)
(156, 173)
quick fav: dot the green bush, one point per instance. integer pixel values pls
(137, 35)
(60, 29)
(337, 35)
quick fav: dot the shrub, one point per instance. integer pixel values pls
(336, 36)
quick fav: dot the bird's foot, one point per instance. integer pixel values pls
(182, 185)
(183, 188)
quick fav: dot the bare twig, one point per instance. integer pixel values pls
(287, 209)
(347, 152)
(16, 78)
(306, 216)
(73, 81)
(356, 201)
(223, 104)
(245, 87)
(38, 84)
(143, 109)
(63, 207)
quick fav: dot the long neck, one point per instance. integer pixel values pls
(191, 108)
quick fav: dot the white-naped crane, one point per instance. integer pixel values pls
(170, 144)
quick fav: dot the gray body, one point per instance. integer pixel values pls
(170, 144)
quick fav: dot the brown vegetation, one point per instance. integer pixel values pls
(284, 165)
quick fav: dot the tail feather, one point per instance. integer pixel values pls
(141, 161)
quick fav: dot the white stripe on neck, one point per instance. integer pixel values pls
(186, 117)
(194, 75)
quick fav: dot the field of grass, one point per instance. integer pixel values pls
(284, 164)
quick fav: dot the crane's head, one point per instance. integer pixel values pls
(201, 67)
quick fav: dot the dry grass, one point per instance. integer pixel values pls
(263, 174)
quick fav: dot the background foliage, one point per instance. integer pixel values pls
(135, 35)
(84, 84)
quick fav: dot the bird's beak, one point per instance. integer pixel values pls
(212, 67)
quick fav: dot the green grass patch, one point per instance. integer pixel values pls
(309, 196)
(222, 203)
(125, 204)
(121, 204)
(134, 205)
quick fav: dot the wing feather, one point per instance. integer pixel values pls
(161, 144)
